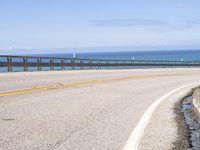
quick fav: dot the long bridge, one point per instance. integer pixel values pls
(29, 63)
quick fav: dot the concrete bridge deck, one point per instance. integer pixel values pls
(89, 109)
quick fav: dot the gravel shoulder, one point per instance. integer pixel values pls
(182, 141)
(167, 129)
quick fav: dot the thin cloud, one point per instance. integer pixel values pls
(193, 22)
(127, 23)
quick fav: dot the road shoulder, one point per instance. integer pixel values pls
(166, 129)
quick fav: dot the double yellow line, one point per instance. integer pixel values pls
(76, 84)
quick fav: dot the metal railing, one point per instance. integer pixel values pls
(28, 63)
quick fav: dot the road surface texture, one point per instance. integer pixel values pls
(83, 110)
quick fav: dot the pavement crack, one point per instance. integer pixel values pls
(73, 133)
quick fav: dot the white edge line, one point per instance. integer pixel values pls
(134, 138)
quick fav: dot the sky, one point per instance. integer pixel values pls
(32, 26)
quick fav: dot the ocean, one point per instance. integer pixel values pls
(176, 55)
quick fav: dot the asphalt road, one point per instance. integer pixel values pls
(81, 110)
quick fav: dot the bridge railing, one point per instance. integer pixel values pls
(29, 63)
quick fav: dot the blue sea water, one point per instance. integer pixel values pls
(187, 55)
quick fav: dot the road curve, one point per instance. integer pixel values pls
(85, 109)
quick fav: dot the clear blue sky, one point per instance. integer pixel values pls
(85, 24)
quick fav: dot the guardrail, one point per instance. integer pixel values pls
(28, 63)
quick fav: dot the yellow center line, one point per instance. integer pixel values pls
(76, 84)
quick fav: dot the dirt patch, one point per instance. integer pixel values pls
(188, 122)
(182, 142)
